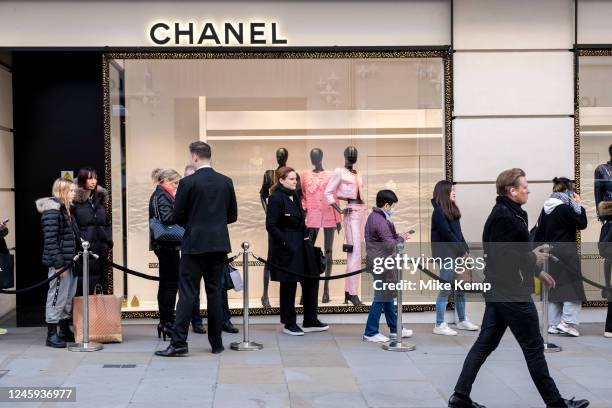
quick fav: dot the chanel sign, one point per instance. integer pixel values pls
(191, 33)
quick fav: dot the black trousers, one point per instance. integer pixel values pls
(227, 315)
(196, 318)
(193, 268)
(609, 318)
(169, 260)
(310, 291)
(522, 319)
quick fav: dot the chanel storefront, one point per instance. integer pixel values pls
(424, 90)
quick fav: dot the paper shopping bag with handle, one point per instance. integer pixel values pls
(104, 319)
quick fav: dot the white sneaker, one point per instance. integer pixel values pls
(608, 335)
(568, 329)
(405, 334)
(377, 338)
(467, 325)
(553, 330)
(444, 330)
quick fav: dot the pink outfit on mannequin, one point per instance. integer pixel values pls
(319, 214)
(347, 185)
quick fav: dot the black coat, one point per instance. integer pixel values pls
(447, 240)
(95, 227)
(510, 264)
(559, 230)
(162, 203)
(286, 226)
(604, 210)
(3, 248)
(60, 233)
(205, 205)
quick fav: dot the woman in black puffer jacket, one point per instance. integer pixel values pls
(90, 213)
(60, 233)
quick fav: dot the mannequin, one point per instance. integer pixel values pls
(318, 213)
(603, 192)
(270, 179)
(603, 181)
(346, 184)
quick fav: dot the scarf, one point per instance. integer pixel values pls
(565, 199)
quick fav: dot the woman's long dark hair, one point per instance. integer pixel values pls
(441, 196)
(85, 174)
(280, 174)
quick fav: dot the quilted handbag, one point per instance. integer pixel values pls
(165, 233)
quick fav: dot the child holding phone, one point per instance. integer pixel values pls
(381, 240)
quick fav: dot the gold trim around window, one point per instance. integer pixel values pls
(445, 55)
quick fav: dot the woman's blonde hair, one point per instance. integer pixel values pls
(160, 175)
(61, 189)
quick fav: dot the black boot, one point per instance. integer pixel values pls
(347, 297)
(53, 340)
(325, 298)
(354, 299)
(229, 328)
(64, 331)
(265, 301)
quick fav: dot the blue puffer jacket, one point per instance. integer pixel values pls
(60, 233)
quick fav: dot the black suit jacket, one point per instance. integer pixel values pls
(205, 205)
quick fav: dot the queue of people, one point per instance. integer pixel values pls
(204, 204)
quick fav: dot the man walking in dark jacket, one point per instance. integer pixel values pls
(510, 269)
(205, 205)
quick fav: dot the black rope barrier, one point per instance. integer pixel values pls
(579, 275)
(49, 279)
(345, 275)
(132, 272)
(153, 277)
(301, 275)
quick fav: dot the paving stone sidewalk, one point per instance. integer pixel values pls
(331, 369)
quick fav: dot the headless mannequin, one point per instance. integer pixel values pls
(316, 158)
(603, 192)
(350, 158)
(269, 180)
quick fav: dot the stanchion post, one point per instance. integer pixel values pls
(397, 344)
(86, 345)
(245, 344)
(548, 347)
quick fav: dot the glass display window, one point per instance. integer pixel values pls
(390, 106)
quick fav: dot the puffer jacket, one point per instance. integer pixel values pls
(92, 221)
(60, 233)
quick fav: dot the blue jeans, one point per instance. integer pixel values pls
(449, 276)
(374, 317)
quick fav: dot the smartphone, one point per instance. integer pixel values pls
(5, 221)
(411, 231)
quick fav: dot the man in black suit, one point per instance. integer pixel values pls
(205, 204)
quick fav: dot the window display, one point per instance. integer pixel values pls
(377, 119)
(346, 184)
(595, 155)
(319, 214)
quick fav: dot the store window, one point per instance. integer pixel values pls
(595, 140)
(389, 106)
